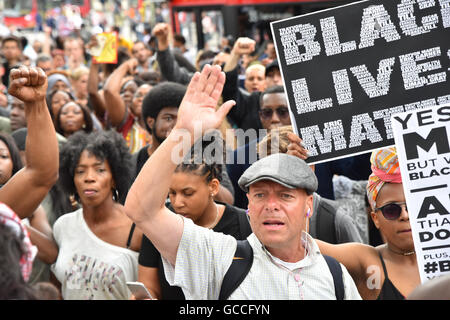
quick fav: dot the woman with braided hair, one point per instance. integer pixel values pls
(194, 184)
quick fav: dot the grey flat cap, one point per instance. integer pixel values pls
(289, 171)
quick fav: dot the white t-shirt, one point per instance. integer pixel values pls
(88, 267)
(204, 257)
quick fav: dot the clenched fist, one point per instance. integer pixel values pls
(130, 65)
(28, 84)
(162, 32)
(243, 46)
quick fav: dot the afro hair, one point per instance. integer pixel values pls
(106, 145)
(164, 94)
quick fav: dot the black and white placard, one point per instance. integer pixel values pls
(347, 70)
(422, 139)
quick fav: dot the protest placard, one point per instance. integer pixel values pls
(422, 139)
(106, 50)
(346, 70)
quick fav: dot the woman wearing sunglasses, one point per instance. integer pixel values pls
(388, 271)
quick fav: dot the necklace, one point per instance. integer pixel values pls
(408, 253)
(215, 220)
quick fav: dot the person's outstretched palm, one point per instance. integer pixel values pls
(28, 84)
(198, 107)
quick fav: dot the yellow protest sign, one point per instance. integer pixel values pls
(106, 51)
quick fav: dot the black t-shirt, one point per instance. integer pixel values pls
(141, 158)
(234, 222)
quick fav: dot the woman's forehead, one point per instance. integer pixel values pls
(88, 156)
(390, 192)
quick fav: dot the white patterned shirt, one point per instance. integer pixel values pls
(88, 267)
(204, 257)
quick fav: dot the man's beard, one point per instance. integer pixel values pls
(158, 138)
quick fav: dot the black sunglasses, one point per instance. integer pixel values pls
(267, 113)
(392, 211)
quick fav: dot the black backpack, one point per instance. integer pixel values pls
(243, 260)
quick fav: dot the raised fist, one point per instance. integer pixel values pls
(161, 30)
(131, 65)
(28, 84)
(243, 46)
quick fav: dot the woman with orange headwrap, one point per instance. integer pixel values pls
(388, 271)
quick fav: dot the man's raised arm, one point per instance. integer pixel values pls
(146, 198)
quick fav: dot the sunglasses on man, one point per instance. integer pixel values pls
(392, 211)
(267, 113)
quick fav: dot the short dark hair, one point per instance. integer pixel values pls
(178, 37)
(207, 56)
(164, 94)
(149, 77)
(270, 90)
(13, 38)
(106, 145)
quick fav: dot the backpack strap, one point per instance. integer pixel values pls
(239, 268)
(336, 272)
(130, 235)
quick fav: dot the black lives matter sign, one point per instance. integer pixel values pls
(347, 70)
(422, 139)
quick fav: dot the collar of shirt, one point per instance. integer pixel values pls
(311, 248)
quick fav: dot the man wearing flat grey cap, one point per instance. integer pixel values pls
(280, 191)
(283, 169)
(285, 262)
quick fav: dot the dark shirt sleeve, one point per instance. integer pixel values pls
(170, 70)
(231, 92)
(245, 113)
(141, 158)
(235, 171)
(230, 88)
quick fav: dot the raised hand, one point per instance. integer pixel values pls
(28, 84)
(131, 65)
(295, 146)
(162, 31)
(198, 107)
(243, 46)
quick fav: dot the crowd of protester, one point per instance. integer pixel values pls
(92, 197)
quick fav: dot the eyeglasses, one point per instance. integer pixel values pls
(267, 113)
(392, 211)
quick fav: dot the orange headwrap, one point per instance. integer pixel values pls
(385, 168)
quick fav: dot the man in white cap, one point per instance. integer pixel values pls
(287, 263)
